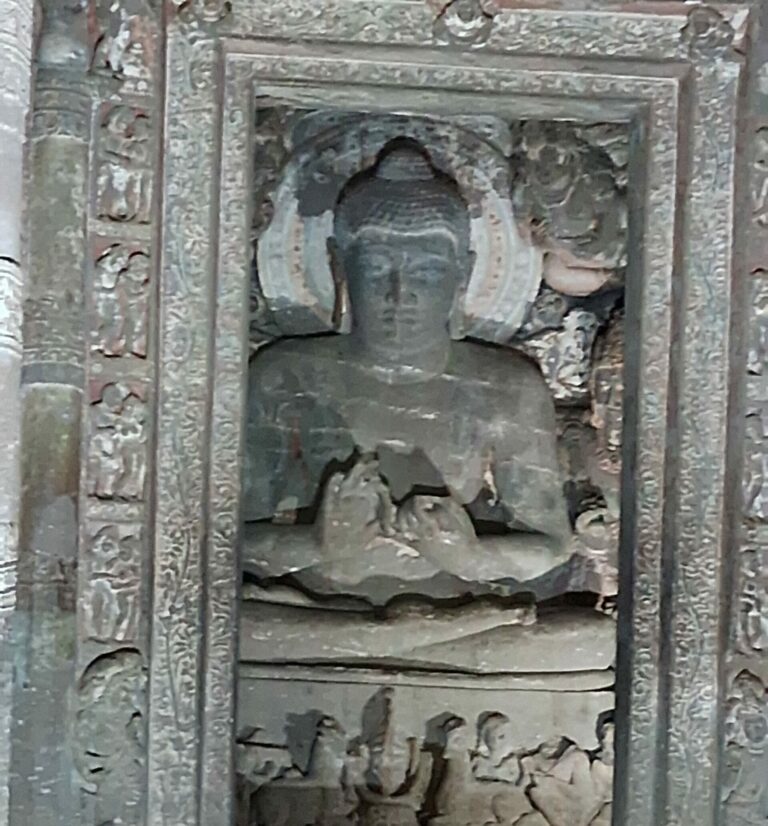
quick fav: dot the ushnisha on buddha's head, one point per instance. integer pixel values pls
(402, 242)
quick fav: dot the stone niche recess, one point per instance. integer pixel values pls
(348, 334)
(431, 479)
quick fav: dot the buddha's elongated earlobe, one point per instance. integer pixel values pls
(342, 312)
(457, 326)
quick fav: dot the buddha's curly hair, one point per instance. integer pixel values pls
(403, 194)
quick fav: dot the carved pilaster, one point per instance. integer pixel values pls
(16, 23)
(744, 774)
(113, 568)
(52, 384)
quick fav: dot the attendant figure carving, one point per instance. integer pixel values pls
(463, 798)
(494, 759)
(317, 797)
(117, 461)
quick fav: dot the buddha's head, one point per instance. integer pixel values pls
(402, 243)
(495, 737)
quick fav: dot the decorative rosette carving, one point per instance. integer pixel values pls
(207, 11)
(464, 22)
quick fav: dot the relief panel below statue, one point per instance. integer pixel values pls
(353, 753)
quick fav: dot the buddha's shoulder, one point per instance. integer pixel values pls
(296, 356)
(487, 363)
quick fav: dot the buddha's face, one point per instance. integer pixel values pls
(402, 288)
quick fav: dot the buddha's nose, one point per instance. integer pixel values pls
(395, 283)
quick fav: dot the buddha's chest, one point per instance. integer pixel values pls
(308, 416)
(315, 404)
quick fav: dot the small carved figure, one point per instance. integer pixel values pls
(464, 800)
(751, 627)
(124, 182)
(565, 354)
(568, 191)
(316, 798)
(398, 772)
(746, 734)
(759, 178)
(110, 736)
(117, 463)
(575, 788)
(756, 467)
(112, 594)
(607, 388)
(121, 281)
(597, 525)
(461, 432)
(126, 39)
(494, 758)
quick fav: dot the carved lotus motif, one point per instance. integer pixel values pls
(464, 22)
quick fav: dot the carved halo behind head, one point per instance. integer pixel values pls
(292, 257)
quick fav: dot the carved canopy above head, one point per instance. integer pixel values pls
(293, 253)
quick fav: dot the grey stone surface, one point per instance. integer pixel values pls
(42, 788)
(744, 791)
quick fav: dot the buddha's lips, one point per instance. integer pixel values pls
(392, 316)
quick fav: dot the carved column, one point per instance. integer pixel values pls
(744, 784)
(15, 74)
(52, 388)
(113, 561)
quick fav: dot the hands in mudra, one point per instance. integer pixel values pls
(357, 510)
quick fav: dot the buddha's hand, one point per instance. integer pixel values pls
(356, 509)
(438, 528)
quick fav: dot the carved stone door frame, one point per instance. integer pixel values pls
(676, 72)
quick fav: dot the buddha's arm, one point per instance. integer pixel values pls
(276, 550)
(271, 550)
(520, 556)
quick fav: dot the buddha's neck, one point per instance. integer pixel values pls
(405, 359)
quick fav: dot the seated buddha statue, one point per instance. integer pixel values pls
(395, 456)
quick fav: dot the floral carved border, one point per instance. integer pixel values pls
(675, 534)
